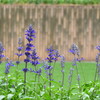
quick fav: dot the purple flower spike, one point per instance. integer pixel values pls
(35, 62)
(1, 51)
(1, 56)
(50, 49)
(97, 57)
(98, 47)
(48, 67)
(30, 45)
(80, 59)
(7, 69)
(19, 54)
(8, 65)
(17, 62)
(74, 49)
(28, 49)
(30, 32)
(34, 55)
(19, 49)
(56, 54)
(25, 70)
(26, 60)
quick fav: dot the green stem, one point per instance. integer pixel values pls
(25, 80)
(78, 80)
(50, 81)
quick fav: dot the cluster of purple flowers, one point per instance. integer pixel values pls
(34, 58)
(98, 55)
(97, 73)
(8, 65)
(75, 51)
(30, 34)
(37, 71)
(34, 61)
(1, 52)
(53, 55)
(19, 49)
(98, 48)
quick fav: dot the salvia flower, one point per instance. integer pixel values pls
(97, 57)
(56, 55)
(98, 47)
(62, 61)
(26, 60)
(47, 67)
(35, 62)
(19, 49)
(34, 58)
(74, 49)
(30, 34)
(25, 70)
(70, 75)
(34, 55)
(1, 52)
(97, 73)
(79, 59)
(38, 71)
(7, 67)
(51, 56)
(74, 61)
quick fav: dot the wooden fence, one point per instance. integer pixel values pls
(57, 25)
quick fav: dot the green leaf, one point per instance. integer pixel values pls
(85, 96)
(91, 89)
(12, 90)
(20, 84)
(2, 97)
(27, 98)
(42, 93)
(9, 97)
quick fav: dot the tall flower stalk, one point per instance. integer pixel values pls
(34, 60)
(56, 57)
(19, 54)
(97, 73)
(70, 77)
(7, 68)
(62, 71)
(50, 59)
(19, 49)
(30, 34)
(1, 52)
(75, 51)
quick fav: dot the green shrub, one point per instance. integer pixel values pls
(51, 1)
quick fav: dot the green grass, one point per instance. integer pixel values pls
(50, 1)
(86, 70)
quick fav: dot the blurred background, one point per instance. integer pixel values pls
(59, 23)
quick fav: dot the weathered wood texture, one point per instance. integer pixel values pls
(57, 25)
